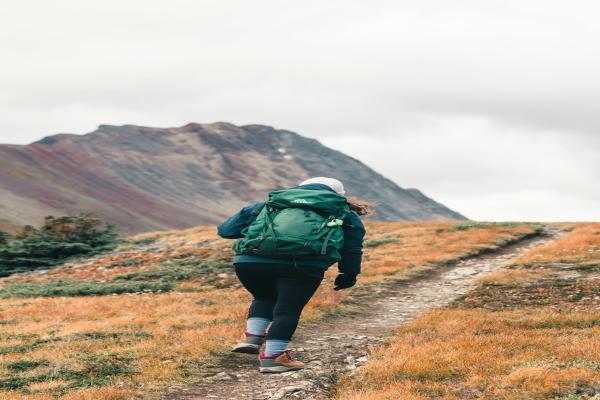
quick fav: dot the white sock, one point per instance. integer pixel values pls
(257, 326)
(275, 347)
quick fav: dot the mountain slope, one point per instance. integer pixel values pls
(155, 178)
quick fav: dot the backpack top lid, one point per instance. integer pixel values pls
(320, 200)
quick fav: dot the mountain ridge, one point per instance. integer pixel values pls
(145, 178)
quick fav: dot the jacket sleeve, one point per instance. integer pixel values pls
(351, 252)
(233, 226)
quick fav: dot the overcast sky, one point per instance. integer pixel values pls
(490, 107)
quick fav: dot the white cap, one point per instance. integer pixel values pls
(334, 184)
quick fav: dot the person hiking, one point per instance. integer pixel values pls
(283, 249)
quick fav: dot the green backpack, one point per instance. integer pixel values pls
(297, 224)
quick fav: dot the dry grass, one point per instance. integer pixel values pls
(531, 331)
(581, 246)
(116, 347)
(424, 244)
(460, 354)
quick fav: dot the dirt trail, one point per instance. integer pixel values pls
(341, 344)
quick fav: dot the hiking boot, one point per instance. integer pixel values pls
(250, 344)
(279, 363)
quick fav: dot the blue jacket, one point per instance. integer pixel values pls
(351, 252)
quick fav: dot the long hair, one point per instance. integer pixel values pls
(361, 207)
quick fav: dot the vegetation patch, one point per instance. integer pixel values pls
(160, 279)
(95, 370)
(465, 226)
(379, 242)
(175, 270)
(581, 246)
(79, 288)
(26, 365)
(56, 241)
(145, 241)
(19, 348)
(109, 335)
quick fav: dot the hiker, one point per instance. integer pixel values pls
(283, 249)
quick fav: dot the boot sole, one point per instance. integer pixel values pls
(246, 348)
(278, 369)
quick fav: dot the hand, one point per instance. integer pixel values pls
(344, 281)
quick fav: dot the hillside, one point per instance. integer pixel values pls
(165, 307)
(158, 178)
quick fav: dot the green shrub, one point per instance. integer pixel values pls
(94, 370)
(465, 226)
(175, 270)
(80, 288)
(161, 279)
(25, 365)
(144, 242)
(379, 242)
(57, 240)
(99, 369)
(4, 238)
(98, 335)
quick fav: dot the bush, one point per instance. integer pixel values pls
(81, 288)
(4, 238)
(57, 240)
(379, 242)
(465, 226)
(161, 279)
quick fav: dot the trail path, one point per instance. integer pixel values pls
(341, 344)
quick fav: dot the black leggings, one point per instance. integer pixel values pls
(280, 293)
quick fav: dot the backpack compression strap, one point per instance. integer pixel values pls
(332, 224)
(270, 223)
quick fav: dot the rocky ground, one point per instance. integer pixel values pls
(340, 344)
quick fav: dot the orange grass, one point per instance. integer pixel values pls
(424, 244)
(532, 331)
(179, 331)
(456, 354)
(581, 245)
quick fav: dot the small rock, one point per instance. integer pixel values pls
(223, 376)
(359, 337)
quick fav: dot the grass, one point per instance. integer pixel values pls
(580, 246)
(530, 331)
(161, 279)
(379, 242)
(79, 288)
(161, 337)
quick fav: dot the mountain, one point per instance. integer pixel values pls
(144, 178)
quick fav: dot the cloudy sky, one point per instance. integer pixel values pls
(491, 107)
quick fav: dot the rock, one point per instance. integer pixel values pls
(222, 376)
(362, 359)
(289, 390)
(359, 337)
(289, 373)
